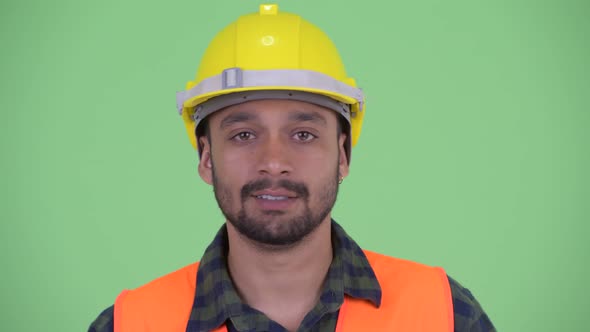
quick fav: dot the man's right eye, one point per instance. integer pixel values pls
(243, 136)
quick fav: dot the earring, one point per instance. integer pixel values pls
(341, 180)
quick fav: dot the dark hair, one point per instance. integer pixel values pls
(202, 130)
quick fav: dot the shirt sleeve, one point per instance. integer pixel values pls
(469, 315)
(104, 322)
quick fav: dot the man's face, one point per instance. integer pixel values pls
(274, 166)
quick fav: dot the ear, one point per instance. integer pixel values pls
(205, 163)
(343, 161)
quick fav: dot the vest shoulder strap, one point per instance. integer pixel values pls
(163, 304)
(415, 297)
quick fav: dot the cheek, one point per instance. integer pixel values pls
(317, 161)
(232, 167)
(318, 172)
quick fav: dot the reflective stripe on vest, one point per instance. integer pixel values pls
(415, 297)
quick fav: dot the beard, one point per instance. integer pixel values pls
(275, 228)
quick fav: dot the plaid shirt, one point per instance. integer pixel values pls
(217, 300)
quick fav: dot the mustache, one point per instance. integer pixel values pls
(297, 187)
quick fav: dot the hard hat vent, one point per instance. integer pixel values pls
(269, 9)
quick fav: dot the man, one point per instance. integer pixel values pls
(274, 117)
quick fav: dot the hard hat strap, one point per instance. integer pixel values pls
(275, 79)
(223, 101)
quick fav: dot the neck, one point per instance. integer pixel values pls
(284, 283)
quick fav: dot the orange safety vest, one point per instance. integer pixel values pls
(415, 297)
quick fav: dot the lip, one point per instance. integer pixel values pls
(274, 205)
(275, 192)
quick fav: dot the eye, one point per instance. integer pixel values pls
(304, 136)
(243, 136)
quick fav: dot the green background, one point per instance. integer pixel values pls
(474, 154)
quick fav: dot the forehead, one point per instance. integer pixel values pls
(271, 111)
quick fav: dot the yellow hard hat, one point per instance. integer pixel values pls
(271, 55)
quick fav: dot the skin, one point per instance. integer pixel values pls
(279, 253)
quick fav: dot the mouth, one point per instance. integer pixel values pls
(274, 200)
(272, 197)
(274, 194)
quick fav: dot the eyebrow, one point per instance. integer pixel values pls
(311, 116)
(237, 118)
(297, 116)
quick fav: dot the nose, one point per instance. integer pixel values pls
(275, 158)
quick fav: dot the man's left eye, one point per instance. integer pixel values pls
(304, 136)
